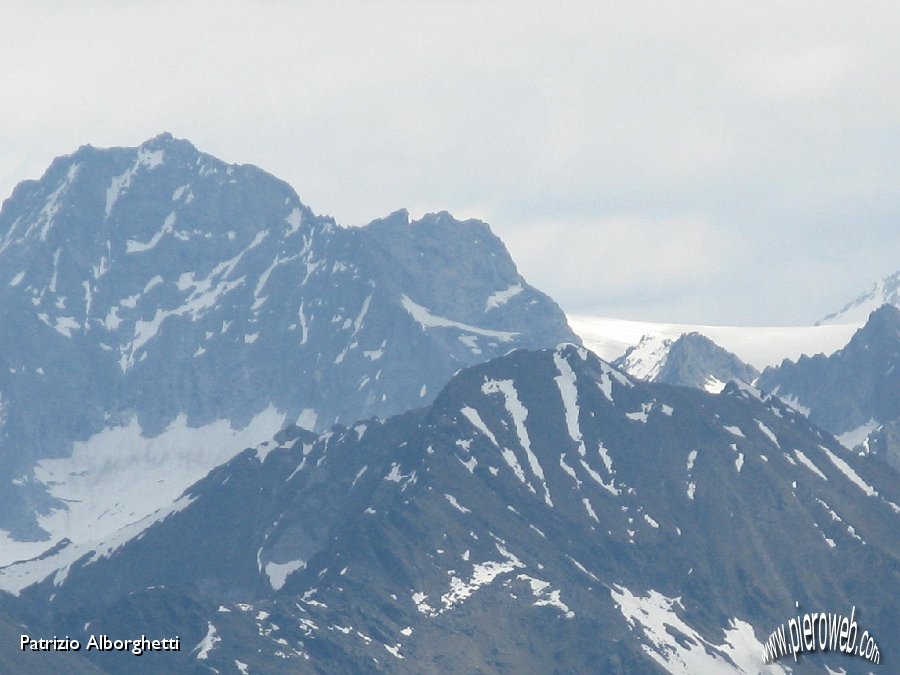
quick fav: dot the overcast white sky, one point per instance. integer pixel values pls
(695, 162)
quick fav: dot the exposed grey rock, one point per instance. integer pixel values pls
(541, 515)
(855, 386)
(144, 284)
(692, 360)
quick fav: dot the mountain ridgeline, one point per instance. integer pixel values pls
(301, 447)
(691, 360)
(545, 513)
(885, 291)
(157, 287)
(853, 391)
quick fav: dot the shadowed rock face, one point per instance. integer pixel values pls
(155, 284)
(544, 514)
(858, 385)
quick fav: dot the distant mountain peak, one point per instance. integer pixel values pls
(855, 388)
(884, 291)
(882, 327)
(691, 360)
(156, 289)
(887, 316)
(164, 138)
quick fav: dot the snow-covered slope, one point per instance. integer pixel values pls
(119, 482)
(759, 346)
(883, 292)
(644, 360)
(545, 514)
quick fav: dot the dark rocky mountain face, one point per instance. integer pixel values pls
(544, 514)
(692, 360)
(855, 389)
(158, 289)
(884, 442)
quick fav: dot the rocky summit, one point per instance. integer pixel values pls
(691, 360)
(160, 310)
(853, 391)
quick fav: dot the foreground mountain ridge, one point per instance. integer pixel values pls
(545, 512)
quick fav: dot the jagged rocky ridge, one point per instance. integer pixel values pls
(545, 514)
(853, 391)
(691, 360)
(159, 293)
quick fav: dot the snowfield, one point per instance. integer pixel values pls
(759, 346)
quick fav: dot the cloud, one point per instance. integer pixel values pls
(773, 125)
(794, 74)
(600, 262)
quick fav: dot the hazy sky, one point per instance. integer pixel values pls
(696, 162)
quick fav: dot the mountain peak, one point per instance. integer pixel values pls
(163, 137)
(166, 140)
(881, 328)
(852, 389)
(691, 360)
(161, 141)
(886, 315)
(884, 291)
(540, 490)
(154, 287)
